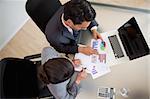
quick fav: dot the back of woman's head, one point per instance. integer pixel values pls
(79, 11)
(56, 70)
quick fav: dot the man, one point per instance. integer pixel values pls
(64, 27)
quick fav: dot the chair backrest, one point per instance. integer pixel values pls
(43, 90)
(18, 78)
(41, 11)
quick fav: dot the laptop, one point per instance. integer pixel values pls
(125, 44)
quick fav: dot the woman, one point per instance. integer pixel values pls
(58, 74)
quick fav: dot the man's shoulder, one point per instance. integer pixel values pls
(55, 22)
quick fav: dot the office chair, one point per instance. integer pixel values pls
(41, 11)
(18, 79)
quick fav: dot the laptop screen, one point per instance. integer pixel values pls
(133, 40)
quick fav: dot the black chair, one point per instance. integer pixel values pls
(41, 11)
(18, 79)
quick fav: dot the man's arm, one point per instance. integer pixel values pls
(68, 49)
(61, 45)
(87, 50)
(92, 24)
(93, 27)
(71, 49)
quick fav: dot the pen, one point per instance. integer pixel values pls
(82, 69)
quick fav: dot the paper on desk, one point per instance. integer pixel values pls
(96, 69)
(95, 64)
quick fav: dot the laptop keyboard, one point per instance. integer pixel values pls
(118, 53)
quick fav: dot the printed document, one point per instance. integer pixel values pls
(95, 64)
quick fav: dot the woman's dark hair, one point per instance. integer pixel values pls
(79, 11)
(56, 71)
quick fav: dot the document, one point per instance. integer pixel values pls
(94, 64)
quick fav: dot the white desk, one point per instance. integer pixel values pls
(132, 75)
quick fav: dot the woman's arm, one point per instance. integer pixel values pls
(60, 91)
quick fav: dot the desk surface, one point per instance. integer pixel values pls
(139, 4)
(132, 75)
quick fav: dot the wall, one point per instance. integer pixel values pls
(12, 18)
(149, 59)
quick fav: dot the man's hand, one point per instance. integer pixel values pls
(96, 34)
(87, 50)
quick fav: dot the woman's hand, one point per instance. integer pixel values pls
(76, 62)
(82, 75)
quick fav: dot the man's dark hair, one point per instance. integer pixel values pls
(79, 11)
(56, 70)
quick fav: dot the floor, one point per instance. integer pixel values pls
(142, 4)
(28, 40)
(12, 18)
